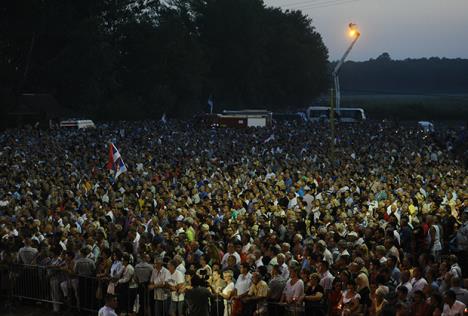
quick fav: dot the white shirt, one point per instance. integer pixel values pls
(418, 285)
(136, 242)
(284, 271)
(327, 256)
(294, 291)
(106, 311)
(181, 268)
(116, 269)
(292, 203)
(259, 262)
(308, 199)
(127, 276)
(455, 270)
(326, 280)
(344, 253)
(245, 248)
(226, 256)
(457, 309)
(408, 286)
(176, 278)
(273, 262)
(243, 283)
(159, 278)
(437, 246)
(227, 291)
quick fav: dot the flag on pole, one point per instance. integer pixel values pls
(163, 119)
(269, 139)
(115, 161)
(211, 103)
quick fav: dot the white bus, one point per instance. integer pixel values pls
(318, 113)
(352, 115)
(345, 115)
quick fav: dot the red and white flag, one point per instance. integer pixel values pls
(115, 161)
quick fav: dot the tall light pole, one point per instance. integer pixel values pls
(335, 97)
(355, 34)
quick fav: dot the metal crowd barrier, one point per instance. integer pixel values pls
(269, 308)
(5, 286)
(42, 284)
(48, 285)
(30, 282)
(277, 309)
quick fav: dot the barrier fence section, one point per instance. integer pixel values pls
(265, 308)
(5, 287)
(49, 285)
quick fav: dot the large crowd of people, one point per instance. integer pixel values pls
(258, 221)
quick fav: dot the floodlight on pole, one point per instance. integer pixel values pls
(353, 30)
(355, 34)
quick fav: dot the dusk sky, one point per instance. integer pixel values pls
(403, 28)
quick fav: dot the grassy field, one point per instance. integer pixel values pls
(410, 107)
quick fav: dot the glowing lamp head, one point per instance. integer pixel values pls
(353, 30)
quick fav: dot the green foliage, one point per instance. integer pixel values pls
(411, 89)
(297, 60)
(133, 59)
(384, 75)
(411, 107)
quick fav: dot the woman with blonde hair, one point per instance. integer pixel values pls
(217, 284)
(378, 302)
(364, 251)
(226, 292)
(363, 289)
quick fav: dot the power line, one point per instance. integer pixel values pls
(323, 4)
(297, 3)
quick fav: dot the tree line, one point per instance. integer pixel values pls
(384, 75)
(134, 59)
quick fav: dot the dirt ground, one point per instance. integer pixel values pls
(31, 309)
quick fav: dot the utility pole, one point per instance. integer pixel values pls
(332, 124)
(353, 32)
